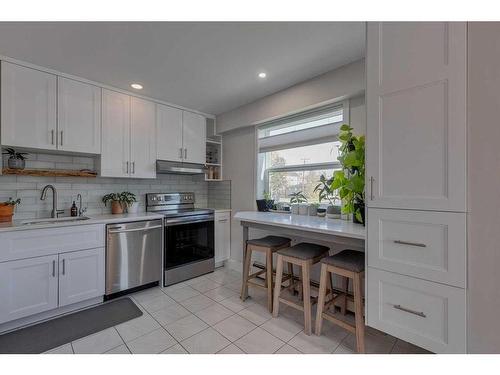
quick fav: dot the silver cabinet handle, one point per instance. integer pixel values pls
(185, 153)
(418, 313)
(134, 229)
(53, 268)
(223, 221)
(64, 266)
(127, 168)
(417, 244)
(133, 167)
(52, 135)
(371, 187)
(61, 142)
(180, 153)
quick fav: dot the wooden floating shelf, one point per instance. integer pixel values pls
(49, 172)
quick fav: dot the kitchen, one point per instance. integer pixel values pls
(142, 214)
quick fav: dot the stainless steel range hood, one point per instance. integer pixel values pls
(164, 167)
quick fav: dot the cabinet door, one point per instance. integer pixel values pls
(27, 287)
(115, 150)
(81, 276)
(142, 140)
(28, 102)
(168, 133)
(222, 236)
(194, 137)
(416, 115)
(78, 116)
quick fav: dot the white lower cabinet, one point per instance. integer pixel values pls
(222, 236)
(27, 287)
(427, 314)
(81, 276)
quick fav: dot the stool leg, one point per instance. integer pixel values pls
(301, 289)
(345, 288)
(306, 290)
(358, 310)
(269, 279)
(277, 285)
(246, 272)
(321, 297)
(291, 282)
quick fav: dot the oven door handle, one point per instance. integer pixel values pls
(172, 222)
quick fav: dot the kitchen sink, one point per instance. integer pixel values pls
(55, 221)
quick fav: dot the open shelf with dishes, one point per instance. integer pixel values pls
(214, 153)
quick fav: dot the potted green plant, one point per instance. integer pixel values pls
(119, 201)
(325, 192)
(7, 209)
(266, 204)
(17, 160)
(313, 209)
(297, 201)
(350, 181)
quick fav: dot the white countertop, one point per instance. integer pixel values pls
(94, 219)
(336, 227)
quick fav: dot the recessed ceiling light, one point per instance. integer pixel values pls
(136, 86)
(262, 75)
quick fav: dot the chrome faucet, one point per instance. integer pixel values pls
(55, 212)
(81, 210)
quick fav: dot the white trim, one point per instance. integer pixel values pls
(98, 84)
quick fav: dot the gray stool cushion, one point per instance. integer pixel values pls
(269, 241)
(304, 251)
(350, 260)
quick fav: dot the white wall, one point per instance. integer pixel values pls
(346, 81)
(483, 187)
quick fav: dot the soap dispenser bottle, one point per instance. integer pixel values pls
(74, 209)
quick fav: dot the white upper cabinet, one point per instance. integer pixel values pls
(28, 107)
(169, 133)
(416, 115)
(115, 149)
(194, 137)
(143, 139)
(79, 116)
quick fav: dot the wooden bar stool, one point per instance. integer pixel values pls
(303, 255)
(351, 265)
(267, 245)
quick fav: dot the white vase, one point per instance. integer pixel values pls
(313, 210)
(133, 208)
(294, 209)
(303, 209)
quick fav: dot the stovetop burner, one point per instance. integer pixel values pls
(174, 204)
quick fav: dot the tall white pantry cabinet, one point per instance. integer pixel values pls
(416, 99)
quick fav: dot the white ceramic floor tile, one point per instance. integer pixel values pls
(403, 347)
(341, 349)
(221, 293)
(234, 327)
(324, 344)
(223, 278)
(170, 314)
(205, 285)
(283, 328)
(182, 294)
(257, 314)
(236, 304)
(208, 341)
(122, 349)
(148, 294)
(287, 349)
(176, 349)
(374, 344)
(214, 314)
(158, 303)
(186, 327)
(197, 303)
(197, 280)
(151, 343)
(99, 342)
(63, 349)
(231, 349)
(137, 327)
(259, 342)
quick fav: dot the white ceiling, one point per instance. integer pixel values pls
(210, 67)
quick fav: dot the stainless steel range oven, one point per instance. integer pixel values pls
(189, 236)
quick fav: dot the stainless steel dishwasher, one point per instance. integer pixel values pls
(133, 255)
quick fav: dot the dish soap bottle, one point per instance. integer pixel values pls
(74, 209)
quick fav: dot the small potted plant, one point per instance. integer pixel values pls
(297, 201)
(266, 204)
(327, 193)
(17, 160)
(7, 209)
(313, 209)
(119, 201)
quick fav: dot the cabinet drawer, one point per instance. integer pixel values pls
(424, 313)
(38, 242)
(222, 217)
(427, 245)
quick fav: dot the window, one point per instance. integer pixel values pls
(295, 151)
